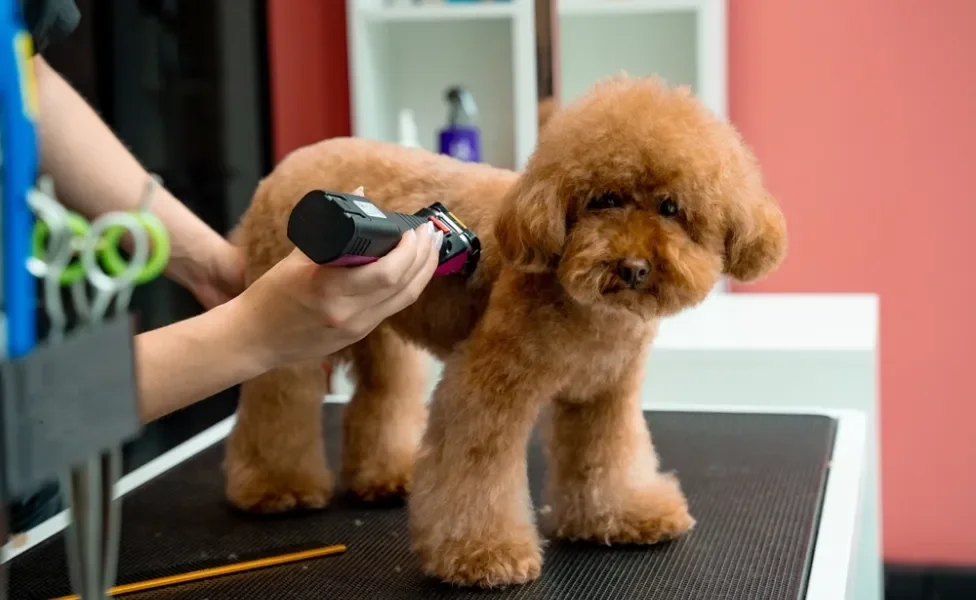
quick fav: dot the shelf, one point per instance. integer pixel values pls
(407, 57)
(411, 67)
(682, 41)
(441, 12)
(590, 8)
(590, 49)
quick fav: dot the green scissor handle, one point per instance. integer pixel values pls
(108, 250)
(74, 271)
(112, 259)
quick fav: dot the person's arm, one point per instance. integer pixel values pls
(180, 364)
(95, 173)
(298, 311)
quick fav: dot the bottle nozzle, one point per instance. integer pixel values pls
(463, 108)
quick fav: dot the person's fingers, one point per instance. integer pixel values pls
(425, 258)
(426, 252)
(343, 282)
(374, 314)
(371, 309)
(384, 276)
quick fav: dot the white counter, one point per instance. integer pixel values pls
(775, 322)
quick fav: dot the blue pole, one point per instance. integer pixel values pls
(18, 104)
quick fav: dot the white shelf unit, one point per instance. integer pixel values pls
(683, 41)
(406, 56)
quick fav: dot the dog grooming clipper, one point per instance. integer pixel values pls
(333, 228)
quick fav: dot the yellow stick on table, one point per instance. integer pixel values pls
(250, 565)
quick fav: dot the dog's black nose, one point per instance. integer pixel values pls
(633, 271)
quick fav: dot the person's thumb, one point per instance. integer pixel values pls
(301, 271)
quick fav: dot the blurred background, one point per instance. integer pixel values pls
(861, 112)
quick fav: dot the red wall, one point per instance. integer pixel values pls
(862, 112)
(308, 61)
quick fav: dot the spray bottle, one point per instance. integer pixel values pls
(461, 138)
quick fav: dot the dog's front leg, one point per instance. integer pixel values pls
(604, 484)
(470, 511)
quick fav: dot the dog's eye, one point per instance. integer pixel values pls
(667, 207)
(604, 201)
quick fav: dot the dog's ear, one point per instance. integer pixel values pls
(531, 226)
(755, 241)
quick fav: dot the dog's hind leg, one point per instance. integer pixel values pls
(275, 459)
(603, 482)
(385, 419)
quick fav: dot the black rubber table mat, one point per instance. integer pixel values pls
(754, 482)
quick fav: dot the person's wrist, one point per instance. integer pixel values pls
(196, 250)
(195, 262)
(190, 256)
(250, 335)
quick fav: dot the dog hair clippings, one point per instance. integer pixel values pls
(346, 229)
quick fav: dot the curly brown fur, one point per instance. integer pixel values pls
(549, 319)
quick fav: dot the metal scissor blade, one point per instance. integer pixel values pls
(111, 465)
(85, 533)
(73, 532)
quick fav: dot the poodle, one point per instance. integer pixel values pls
(635, 203)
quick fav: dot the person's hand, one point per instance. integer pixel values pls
(219, 276)
(300, 311)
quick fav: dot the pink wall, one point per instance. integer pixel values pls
(864, 115)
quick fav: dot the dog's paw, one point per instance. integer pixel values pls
(381, 472)
(655, 513)
(251, 490)
(485, 564)
(631, 528)
(285, 501)
(380, 480)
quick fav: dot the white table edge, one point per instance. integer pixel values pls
(830, 571)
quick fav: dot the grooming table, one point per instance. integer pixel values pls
(775, 497)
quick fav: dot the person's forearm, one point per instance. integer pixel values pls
(94, 173)
(181, 364)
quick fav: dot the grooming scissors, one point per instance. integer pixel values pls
(69, 251)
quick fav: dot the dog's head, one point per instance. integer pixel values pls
(638, 197)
